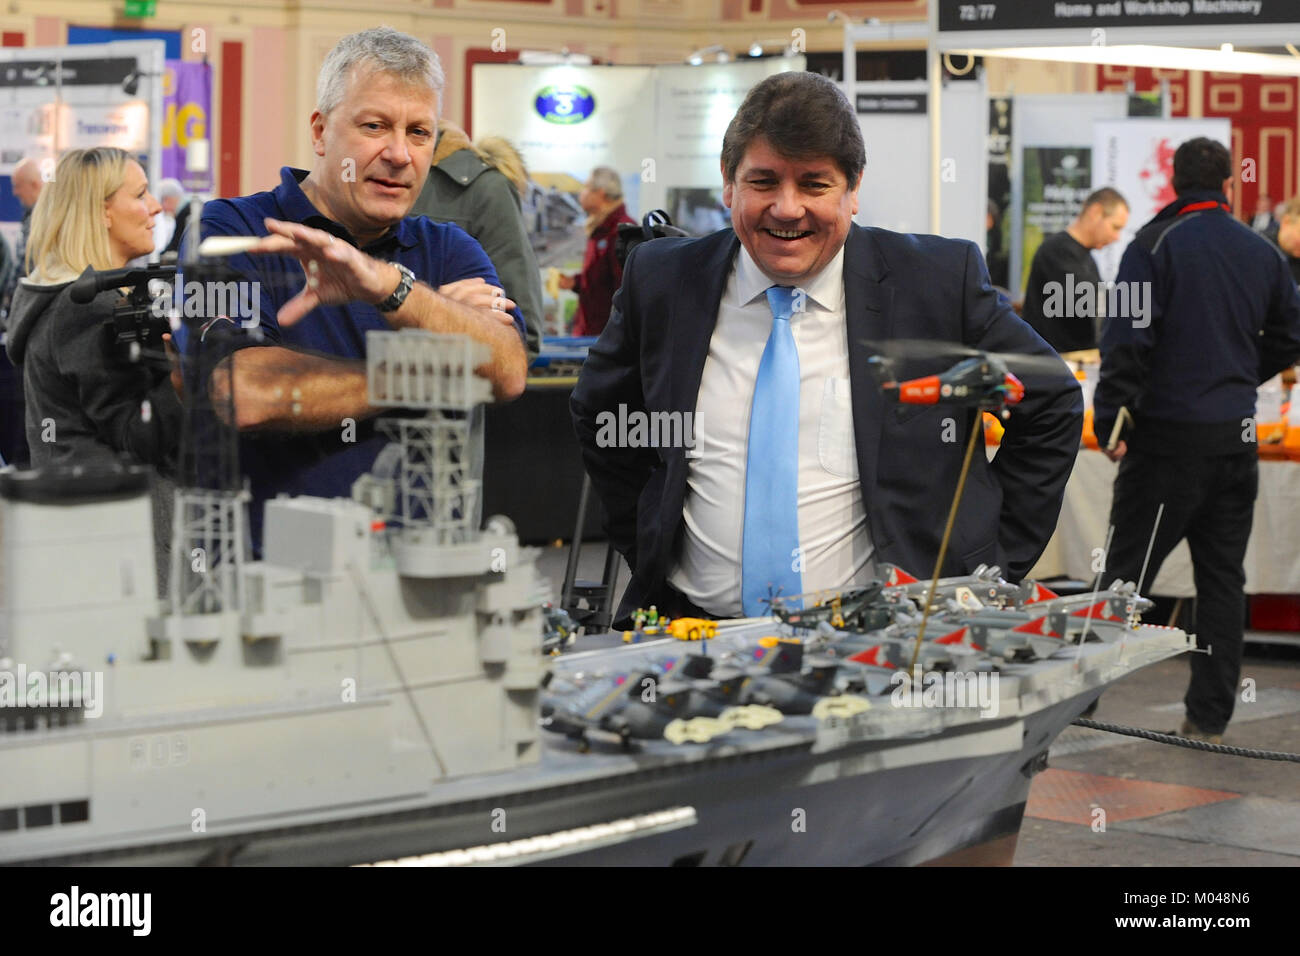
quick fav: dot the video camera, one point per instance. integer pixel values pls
(135, 331)
(654, 225)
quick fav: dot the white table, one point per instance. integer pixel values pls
(1272, 555)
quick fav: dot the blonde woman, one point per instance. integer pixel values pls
(84, 403)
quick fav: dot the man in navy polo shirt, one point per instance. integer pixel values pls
(341, 258)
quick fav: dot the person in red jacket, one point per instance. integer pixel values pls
(602, 200)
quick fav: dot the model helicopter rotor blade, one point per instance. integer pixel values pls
(908, 350)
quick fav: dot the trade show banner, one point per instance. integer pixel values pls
(1051, 156)
(1136, 157)
(1056, 181)
(959, 16)
(660, 127)
(187, 108)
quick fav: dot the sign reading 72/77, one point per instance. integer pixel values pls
(956, 15)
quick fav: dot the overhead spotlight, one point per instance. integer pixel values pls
(1225, 47)
(756, 49)
(838, 15)
(716, 51)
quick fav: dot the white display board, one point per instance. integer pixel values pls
(895, 122)
(895, 125)
(1136, 156)
(660, 127)
(963, 161)
(53, 99)
(693, 106)
(599, 116)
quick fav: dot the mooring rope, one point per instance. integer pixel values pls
(1176, 741)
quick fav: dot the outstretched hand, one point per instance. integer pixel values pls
(337, 272)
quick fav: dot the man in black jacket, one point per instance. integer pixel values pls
(1063, 299)
(861, 481)
(1222, 316)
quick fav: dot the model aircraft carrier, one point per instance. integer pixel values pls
(374, 690)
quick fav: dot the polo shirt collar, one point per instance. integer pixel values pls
(296, 207)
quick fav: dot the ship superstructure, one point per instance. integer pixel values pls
(362, 660)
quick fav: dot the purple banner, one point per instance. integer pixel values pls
(187, 113)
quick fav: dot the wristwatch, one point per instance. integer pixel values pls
(394, 301)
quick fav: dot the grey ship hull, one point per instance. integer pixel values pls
(890, 802)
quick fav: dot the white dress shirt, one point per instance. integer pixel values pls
(833, 537)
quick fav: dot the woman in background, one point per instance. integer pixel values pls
(86, 403)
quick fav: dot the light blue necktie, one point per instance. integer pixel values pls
(771, 537)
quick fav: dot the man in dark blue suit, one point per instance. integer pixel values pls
(793, 473)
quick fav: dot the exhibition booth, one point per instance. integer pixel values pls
(1058, 136)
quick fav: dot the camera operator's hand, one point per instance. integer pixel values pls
(478, 293)
(337, 272)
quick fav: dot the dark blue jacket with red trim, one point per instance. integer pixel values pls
(1211, 313)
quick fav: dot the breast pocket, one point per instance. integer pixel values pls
(835, 446)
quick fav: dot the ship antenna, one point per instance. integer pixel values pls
(1150, 547)
(977, 428)
(1096, 589)
(208, 524)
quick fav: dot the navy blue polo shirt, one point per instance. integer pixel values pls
(323, 463)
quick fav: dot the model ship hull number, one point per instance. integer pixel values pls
(159, 750)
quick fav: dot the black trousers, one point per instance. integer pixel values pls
(1210, 501)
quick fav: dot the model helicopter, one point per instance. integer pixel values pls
(983, 381)
(987, 380)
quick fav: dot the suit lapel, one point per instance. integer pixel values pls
(695, 314)
(868, 312)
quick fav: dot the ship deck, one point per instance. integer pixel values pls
(1169, 806)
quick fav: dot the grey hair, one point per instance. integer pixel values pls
(607, 181)
(170, 187)
(384, 49)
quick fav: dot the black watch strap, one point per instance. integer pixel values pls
(404, 286)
